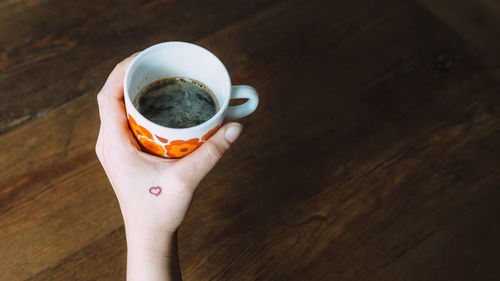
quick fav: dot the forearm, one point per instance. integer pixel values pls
(152, 259)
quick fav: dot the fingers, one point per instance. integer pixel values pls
(115, 79)
(111, 105)
(110, 98)
(197, 164)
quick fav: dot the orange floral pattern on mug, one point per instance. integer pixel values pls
(138, 130)
(174, 149)
(163, 140)
(210, 133)
(151, 146)
(179, 148)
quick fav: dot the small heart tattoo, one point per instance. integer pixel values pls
(155, 190)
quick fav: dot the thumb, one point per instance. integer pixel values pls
(198, 163)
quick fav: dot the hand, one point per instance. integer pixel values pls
(151, 219)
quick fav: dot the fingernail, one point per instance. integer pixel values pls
(232, 132)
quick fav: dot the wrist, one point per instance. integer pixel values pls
(152, 258)
(157, 243)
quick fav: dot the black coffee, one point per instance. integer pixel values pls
(176, 102)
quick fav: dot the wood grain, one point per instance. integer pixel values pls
(104, 259)
(476, 21)
(373, 155)
(54, 51)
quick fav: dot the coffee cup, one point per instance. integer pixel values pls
(189, 61)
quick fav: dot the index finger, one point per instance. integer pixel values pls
(112, 91)
(110, 101)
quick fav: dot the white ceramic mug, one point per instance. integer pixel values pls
(181, 59)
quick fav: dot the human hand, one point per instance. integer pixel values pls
(151, 217)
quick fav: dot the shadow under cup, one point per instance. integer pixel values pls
(176, 59)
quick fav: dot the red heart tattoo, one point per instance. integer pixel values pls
(155, 190)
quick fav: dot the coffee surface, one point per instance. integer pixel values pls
(176, 102)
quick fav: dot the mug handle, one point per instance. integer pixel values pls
(239, 111)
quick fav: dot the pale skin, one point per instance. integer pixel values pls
(154, 194)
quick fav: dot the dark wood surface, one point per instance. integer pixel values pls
(374, 153)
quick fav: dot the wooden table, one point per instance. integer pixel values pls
(374, 154)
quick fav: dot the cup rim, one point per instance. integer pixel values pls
(159, 127)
